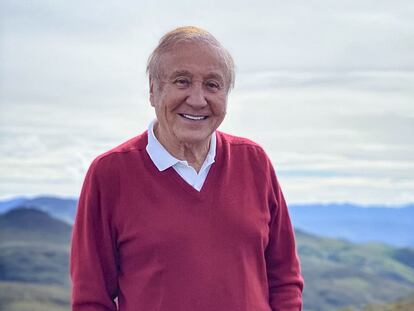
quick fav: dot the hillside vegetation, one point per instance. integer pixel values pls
(356, 223)
(34, 250)
(339, 273)
(18, 296)
(406, 304)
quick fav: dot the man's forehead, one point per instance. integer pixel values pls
(188, 58)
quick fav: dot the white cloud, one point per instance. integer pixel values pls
(325, 87)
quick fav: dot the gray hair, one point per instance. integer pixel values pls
(188, 34)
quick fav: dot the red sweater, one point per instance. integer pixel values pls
(150, 239)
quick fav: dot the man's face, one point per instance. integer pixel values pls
(190, 97)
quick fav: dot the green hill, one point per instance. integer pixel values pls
(29, 224)
(17, 296)
(34, 249)
(339, 273)
(406, 304)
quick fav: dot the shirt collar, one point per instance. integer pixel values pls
(163, 159)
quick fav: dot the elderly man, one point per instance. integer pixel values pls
(183, 217)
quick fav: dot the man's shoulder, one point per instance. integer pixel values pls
(238, 142)
(240, 151)
(124, 150)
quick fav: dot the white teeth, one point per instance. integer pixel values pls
(196, 118)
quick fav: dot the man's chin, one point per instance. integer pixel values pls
(192, 139)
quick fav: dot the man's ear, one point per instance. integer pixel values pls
(151, 91)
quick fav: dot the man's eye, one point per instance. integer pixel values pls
(182, 82)
(213, 85)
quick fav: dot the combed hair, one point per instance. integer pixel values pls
(188, 34)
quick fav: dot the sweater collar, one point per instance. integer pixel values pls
(163, 159)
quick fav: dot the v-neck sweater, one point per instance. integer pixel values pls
(164, 159)
(150, 239)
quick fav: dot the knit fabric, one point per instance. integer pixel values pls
(150, 239)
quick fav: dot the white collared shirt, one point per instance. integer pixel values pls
(163, 160)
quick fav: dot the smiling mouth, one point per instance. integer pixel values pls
(192, 117)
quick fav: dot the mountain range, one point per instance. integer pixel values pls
(390, 225)
(34, 251)
(393, 226)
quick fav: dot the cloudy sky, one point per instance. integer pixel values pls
(327, 88)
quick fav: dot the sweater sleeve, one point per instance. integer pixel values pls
(93, 265)
(282, 262)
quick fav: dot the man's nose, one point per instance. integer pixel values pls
(196, 96)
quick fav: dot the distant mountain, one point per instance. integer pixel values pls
(393, 226)
(337, 273)
(34, 247)
(11, 203)
(60, 208)
(18, 296)
(404, 304)
(26, 224)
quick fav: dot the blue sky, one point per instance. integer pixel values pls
(326, 87)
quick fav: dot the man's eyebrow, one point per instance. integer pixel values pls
(178, 73)
(214, 75)
(186, 73)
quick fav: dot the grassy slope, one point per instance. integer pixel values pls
(406, 304)
(33, 248)
(34, 252)
(33, 297)
(337, 273)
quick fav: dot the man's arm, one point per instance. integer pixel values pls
(93, 265)
(283, 268)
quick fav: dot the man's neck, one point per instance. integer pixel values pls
(194, 154)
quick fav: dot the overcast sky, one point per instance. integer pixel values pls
(327, 88)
